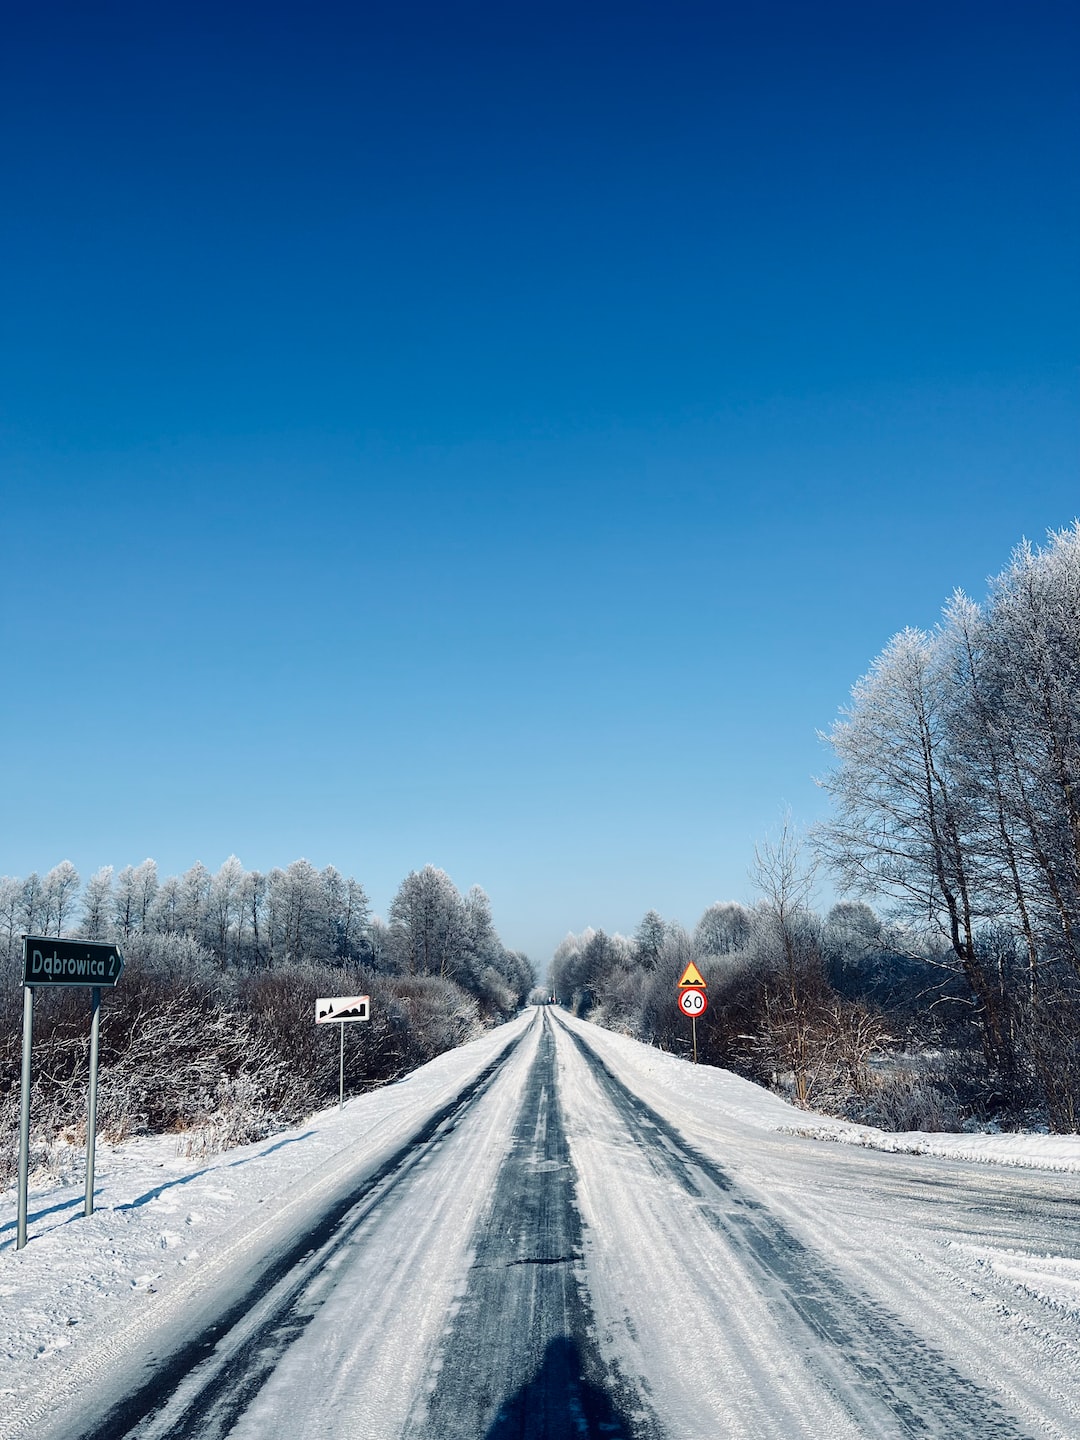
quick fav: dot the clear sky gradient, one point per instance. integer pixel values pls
(499, 436)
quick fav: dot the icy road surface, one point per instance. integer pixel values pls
(555, 1232)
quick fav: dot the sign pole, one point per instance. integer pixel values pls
(51, 961)
(692, 1000)
(24, 1121)
(338, 1010)
(91, 1117)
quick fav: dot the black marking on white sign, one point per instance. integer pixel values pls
(336, 1008)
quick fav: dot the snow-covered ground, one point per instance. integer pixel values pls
(171, 1237)
(968, 1246)
(667, 1080)
(945, 1286)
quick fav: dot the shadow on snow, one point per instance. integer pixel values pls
(559, 1403)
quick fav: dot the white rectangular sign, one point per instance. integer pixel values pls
(337, 1008)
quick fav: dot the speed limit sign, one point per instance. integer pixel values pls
(693, 1002)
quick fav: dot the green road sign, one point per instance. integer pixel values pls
(69, 962)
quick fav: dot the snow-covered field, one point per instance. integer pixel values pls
(759, 1292)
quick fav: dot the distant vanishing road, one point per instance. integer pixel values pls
(551, 1256)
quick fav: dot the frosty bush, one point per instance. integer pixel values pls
(913, 1096)
(211, 1031)
(242, 1114)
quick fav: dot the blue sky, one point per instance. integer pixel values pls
(500, 436)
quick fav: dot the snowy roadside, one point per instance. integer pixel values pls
(918, 1285)
(167, 1229)
(171, 1235)
(696, 1098)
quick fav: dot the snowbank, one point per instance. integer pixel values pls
(681, 1091)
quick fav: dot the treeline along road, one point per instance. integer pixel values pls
(564, 1247)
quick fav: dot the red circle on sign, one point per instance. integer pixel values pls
(693, 1002)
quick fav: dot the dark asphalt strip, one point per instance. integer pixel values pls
(210, 1408)
(518, 1360)
(879, 1362)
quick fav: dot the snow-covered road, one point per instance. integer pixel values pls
(555, 1231)
(767, 1285)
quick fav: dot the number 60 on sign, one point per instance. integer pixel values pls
(693, 1002)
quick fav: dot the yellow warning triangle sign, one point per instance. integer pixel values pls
(692, 976)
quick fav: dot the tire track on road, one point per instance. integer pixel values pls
(202, 1387)
(519, 1360)
(872, 1362)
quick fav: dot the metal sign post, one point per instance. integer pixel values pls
(91, 1107)
(24, 1118)
(692, 999)
(336, 1010)
(53, 962)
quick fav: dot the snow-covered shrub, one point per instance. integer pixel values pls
(242, 1114)
(431, 1015)
(910, 1096)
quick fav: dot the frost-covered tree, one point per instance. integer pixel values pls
(562, 971)
(794, 990)
(588, 967)
(723, 929)
(333, 884)
(352, 920)
(98, 914)
(378, 938)
(225, 907)
(957, 795)
(1019, 736)
(520, 974)
(133, 897)
(905, 824)
(252, 924)
(145, 886)
(166, 912)
(299, 925)
(60, 890)
(11, 895)
(427, 923)
(850, 934)
(347, 913)
(33, 915)
(194, 902)
(124, 901)
(649, 940)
